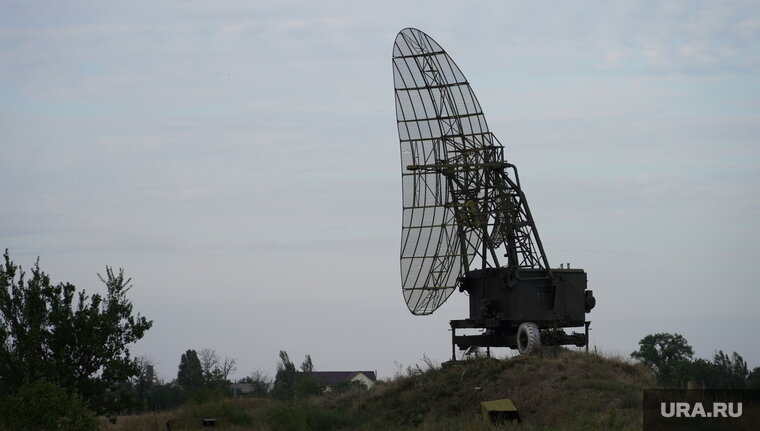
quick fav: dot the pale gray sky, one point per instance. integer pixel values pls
(240, 160)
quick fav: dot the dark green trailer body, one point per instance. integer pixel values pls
(500, 302)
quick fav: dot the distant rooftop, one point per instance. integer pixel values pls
(335, 377)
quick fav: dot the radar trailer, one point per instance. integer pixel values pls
(466, 224)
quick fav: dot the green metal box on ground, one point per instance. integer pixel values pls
(499, 411)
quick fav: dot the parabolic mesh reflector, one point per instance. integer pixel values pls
(440, 123)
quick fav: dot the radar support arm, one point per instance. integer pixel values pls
(523, 203)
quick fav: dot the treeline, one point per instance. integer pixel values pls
(65, 359)
(203, 376)
(290, 383)
(672, 359)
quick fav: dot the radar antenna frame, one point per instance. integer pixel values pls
(464, 201)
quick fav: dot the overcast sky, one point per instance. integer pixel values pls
(240, 160)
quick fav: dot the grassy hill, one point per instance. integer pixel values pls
(553, 390)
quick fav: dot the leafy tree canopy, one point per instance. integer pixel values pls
(662, 352)
(733, 369)
(190, 374)
(79, 342)
(724, 372)
(753, 379)
(307, 366)
(289, 383)
(670, 356)
(285, 379)
(261, 383)
(216, 370)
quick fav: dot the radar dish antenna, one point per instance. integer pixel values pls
(463, 207)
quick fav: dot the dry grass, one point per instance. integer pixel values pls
(557, 389)
(566, 389)
(230, 413)
(144, 422)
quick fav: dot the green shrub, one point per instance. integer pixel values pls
(307, 385)
(43, 406)
(323, 419)
(164, 397)
(206, 395)
(349, 386)
(284, 416)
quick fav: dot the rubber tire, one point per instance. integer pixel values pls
(529, 332)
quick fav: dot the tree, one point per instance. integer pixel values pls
(306, 383)
(216, 370)
(227, 367)
(285, 379)
(147, 374)
(260, 383)
(733, 370)
(289, 383)
(662, 352)
(699, 372)
(724, 372)
(164, 397)
(190, 373)
(209, 362)
(753, 379)
(144, 381)
(307, 366)
(80, 347)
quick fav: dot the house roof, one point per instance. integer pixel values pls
(334, 377)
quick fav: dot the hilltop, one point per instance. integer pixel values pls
(555, 389)
(566, 389)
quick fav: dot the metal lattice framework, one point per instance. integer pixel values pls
(462, 201)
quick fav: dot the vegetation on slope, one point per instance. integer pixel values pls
(556, 389)
(553, 389)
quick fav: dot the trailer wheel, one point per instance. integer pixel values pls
(528, 338)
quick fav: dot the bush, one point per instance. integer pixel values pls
(324, 419)
(307, 385)
(164, 397)
(282, 416)
(349, 386)
(43, 406)
(299, 416)
(206, 395)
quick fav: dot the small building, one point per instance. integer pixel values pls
(241, 388)
(331, 378)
